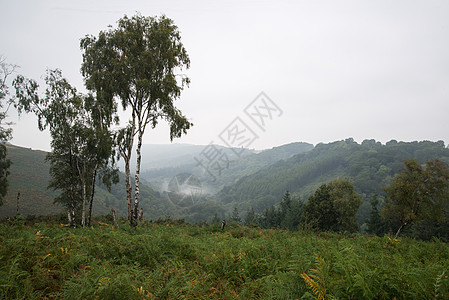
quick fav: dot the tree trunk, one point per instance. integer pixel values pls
(71, 214)
(137, 183)
(129, 190)
(126, 154)
(69, 218)
(140, 214)
(400, 229)
(83, 184)
(18, 199)
(114, 217)
(94, 176)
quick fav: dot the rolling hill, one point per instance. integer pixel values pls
(369, 166)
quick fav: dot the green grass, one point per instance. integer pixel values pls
(165, 260)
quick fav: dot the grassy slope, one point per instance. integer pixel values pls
(167, 261)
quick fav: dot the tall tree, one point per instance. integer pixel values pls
(270, 218)
(235, 218)
(81, 145)
(333, 207)
(138, 62)
(58, 111)
(375, 224)
(250, 218)
(417, 193)
(291, 210)
(5, 131)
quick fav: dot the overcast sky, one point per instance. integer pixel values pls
(332, 69)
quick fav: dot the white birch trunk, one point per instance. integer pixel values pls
(137, 176)
(94, 175)
(83, 185)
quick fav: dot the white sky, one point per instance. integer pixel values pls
(337, 69)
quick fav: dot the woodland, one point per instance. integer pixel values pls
(298, 221)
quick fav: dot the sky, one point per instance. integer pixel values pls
(327, 70)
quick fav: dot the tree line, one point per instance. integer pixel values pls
(417, 199)
(332, 207)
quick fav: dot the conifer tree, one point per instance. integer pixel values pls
(235, 218)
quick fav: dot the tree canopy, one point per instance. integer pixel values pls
(5, 131)
(332, 207)
(138, 63)
(81, 142)
(417, 192)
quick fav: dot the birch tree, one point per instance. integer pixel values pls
(81, 142)
(137, 63)
(417, 192)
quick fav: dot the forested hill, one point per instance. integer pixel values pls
(369, 166)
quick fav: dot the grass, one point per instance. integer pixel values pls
(165, 260)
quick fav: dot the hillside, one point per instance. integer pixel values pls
(214, 175)
(369, 166)
(258, 180)
(29, 175)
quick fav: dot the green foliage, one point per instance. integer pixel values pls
(5, 131)
(250, 218)
(291, 211)
(286, 216)
(416, 193)
(235, 218)
(375, 224)
(333, 207)
(81, 142)
(138, 62)
(5, 163)
(317, 280)
(174, 260)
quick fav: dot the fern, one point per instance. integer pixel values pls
(438, 284)
(316, 280)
